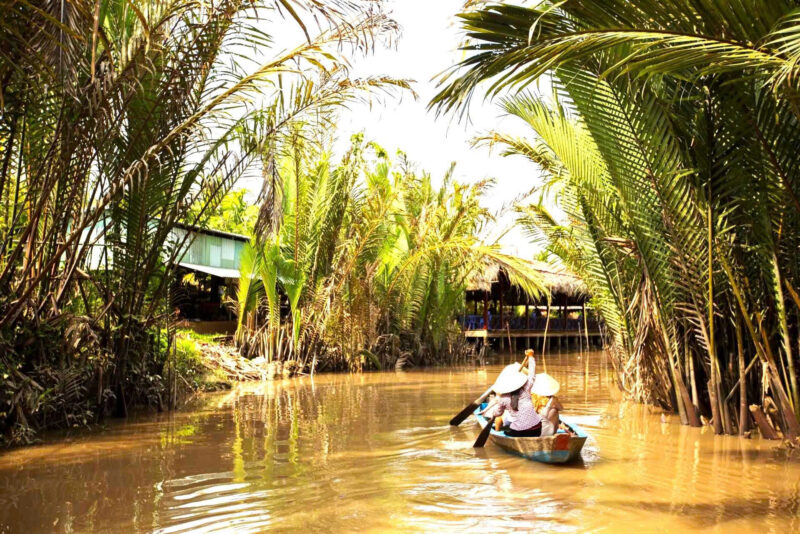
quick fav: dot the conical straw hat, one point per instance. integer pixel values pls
(545, 385)
(510, 379)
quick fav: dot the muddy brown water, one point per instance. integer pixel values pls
(374, 453)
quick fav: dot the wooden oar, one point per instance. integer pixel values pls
(484, 435)
(463, 414)
(522, 368)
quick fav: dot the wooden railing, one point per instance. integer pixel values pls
(557, 324)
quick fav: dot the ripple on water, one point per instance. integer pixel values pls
(374, 453)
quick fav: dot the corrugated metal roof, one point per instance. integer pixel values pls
(215, 271)
(210, 231)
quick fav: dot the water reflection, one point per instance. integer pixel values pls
(374, 453)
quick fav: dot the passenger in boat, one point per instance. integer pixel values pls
(547, 404)
(550, 416)
(513, 400)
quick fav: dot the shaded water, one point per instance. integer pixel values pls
(374, 453)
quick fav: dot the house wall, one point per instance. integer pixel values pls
(210, 250)
(204, 249)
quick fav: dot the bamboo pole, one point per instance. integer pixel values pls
(585, 326)
(544, 339)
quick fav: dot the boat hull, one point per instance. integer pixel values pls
(557, 449)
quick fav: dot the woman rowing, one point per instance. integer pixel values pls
(513, 388)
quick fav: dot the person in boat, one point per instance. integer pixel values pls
(513, 400)
(547, 404)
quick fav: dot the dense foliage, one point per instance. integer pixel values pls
(117, 120)
(234, 213)
(362, 263)
(671, 140)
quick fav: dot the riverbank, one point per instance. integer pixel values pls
(226, 365)
(194, 363)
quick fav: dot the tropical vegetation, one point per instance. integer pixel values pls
(362, 263)
(670, 142)
(118, 120)
(234, 213)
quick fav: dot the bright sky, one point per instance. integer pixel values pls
(427, 46)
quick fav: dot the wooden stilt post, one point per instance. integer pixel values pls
(586, 331)
(502, 305)
(486, 311)
(546, 327)
(502, 314)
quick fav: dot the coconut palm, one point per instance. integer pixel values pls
(670, 134)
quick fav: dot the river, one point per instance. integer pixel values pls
(374, 453)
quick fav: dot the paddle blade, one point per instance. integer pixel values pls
(458, 419)
(484, 435)
(463, 414)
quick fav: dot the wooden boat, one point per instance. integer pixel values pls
(560, 448)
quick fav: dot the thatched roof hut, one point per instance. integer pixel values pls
(557, 279)
(497, 307)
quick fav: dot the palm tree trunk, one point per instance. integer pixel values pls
(780, 306)
(743, 411)
(765, 354)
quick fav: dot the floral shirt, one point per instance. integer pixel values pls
(525, 416)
